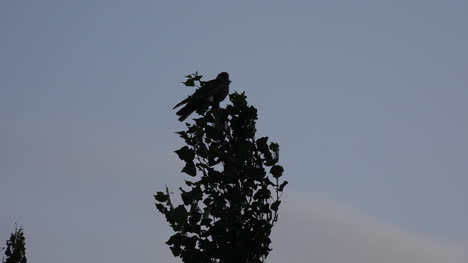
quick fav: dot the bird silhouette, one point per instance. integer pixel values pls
(211, 93)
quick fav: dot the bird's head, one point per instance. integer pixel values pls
(224, 76)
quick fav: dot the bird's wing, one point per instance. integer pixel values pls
(206, 89)
(209, 90)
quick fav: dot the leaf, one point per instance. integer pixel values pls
(186, 154)
(262, 145)
(238, 100)
(184, 136)
(200, 121)
(161, 197)
(189, 83)
(189, 183)
(277, 171)
(176, 242)
(282, 186)
(263, 193)
(161, 208)
(274, 147)
(275, 205)
(190, 169)
(256, 173)
(206, 221)
(202, 150)
(180, 215)
(186, 197)
(213, 133)
(270, 162)
(175, 251)
(195, 217)
(197, 194)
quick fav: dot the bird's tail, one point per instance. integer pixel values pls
(182, 102)
(185, 112)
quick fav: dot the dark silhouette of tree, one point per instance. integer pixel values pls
(16, 248)
(231, 201)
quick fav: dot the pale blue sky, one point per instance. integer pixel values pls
(367, 99)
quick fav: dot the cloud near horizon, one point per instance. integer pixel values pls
(96, 182)
(312, 229)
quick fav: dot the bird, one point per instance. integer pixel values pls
(211, 93)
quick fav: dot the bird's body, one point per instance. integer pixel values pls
(210, 93)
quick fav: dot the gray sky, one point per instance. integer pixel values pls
(367, 99)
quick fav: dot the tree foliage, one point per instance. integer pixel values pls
(16, 248)
(231, 200)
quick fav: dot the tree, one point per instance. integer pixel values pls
(16, 248)
(231, 202)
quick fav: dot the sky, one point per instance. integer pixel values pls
(367, 99)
